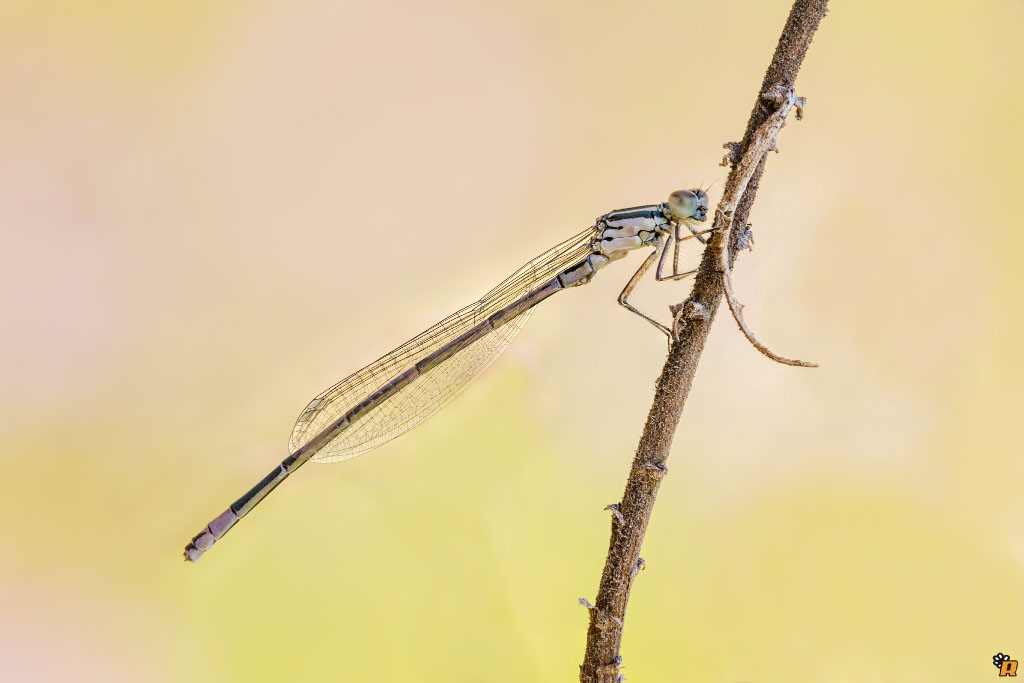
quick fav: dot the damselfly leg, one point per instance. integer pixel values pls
(678, 237)
(676, 275)
(659, 254)
(675, 251)
(637, 276)
(699, 234)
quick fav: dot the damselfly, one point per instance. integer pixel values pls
(402, 389)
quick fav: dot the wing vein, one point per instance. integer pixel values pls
(429, 392)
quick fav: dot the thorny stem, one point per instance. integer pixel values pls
(602, 661)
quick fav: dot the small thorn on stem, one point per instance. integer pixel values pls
(732, 155)
(614, 507)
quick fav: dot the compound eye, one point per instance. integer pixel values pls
(683, 203)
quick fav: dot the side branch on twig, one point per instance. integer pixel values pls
(762, 142)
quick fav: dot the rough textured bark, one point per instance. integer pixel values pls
(602, 661)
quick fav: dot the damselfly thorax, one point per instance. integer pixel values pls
(403, 388)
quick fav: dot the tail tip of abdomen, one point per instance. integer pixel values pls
(205, 539)
(199, 545)
(192, 553)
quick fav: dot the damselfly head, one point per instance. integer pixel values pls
(688, 204)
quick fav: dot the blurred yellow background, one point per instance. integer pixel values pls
(212, 211)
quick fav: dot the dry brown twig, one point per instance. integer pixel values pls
(692, 322)
(743, 170)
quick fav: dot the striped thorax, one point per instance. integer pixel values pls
(620, 232)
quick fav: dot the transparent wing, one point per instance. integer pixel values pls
(432, 390)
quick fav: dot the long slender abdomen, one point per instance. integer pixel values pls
(221, 524)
